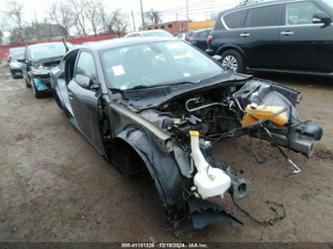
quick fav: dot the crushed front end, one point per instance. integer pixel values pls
(40, 74)
(199, 119)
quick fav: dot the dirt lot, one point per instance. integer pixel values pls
(55, 187)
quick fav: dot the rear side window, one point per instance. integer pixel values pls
(86, 65)
(264, 16)
(235, 20)
(300, 13)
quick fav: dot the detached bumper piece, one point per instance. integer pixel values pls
(42, 84)
(204, 213)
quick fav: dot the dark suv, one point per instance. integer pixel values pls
(283, 36)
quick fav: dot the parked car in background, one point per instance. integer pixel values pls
(144, 104)
(15, 61)
(151, 33)
(199, 38)
(38, 61)
(293, 36)
(187, 36)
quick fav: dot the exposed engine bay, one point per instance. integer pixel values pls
(259, 109)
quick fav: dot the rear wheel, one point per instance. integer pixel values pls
(233, 60)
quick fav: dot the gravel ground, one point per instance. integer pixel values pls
(55, 187)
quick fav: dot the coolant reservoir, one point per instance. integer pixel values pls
(210, 181)
(255, 113)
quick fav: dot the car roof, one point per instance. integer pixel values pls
(257, 4)
(17, 48)
(152, 31)
(202, 30)
(123, 42)
(41, 44)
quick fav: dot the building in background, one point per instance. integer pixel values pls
(178, 27)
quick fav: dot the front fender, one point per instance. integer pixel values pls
(162, 168)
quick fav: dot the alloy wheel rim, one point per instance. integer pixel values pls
(230, 62)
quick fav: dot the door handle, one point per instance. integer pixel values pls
(70, 94)
(245, 34)
(287, 33)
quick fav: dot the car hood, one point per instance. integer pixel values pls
(49, 62)
(147, 98)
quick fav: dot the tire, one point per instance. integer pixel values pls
(27, 83)
(57, 99)
(233, 60)
(35, 92)
(13, 76)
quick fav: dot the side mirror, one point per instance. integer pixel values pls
(321, 17)
(83, 80)
(217, 57)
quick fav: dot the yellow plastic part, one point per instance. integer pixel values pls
(194, 133)
(254, 113)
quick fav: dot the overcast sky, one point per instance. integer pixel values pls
(171, 9)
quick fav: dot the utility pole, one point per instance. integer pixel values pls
(142, 16)
(133, 21)
(187, 11)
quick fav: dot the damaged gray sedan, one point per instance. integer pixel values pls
(160, 105)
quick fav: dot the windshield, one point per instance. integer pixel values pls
(48, 50)
(329, 2)
(158, 34)
(156, 63)
(17, 54)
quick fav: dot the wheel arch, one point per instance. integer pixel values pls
(238, 49)
(161, 166)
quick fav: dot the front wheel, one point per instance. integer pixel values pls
(27, 84)
(57, 99)
(233, 60)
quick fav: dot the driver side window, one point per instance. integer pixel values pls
(86, 66)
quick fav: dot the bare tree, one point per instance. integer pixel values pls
(119, 22)
(115, 22)
(78, 11)
(1, 37)
(61, 14)
(14, 21)
(154, 16)
(106, 21)
(93, 7)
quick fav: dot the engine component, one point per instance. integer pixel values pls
(199, 101)
(210, 181)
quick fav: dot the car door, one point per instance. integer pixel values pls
(260, 35)
(84, 99)
(306, 46)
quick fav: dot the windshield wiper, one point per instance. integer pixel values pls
(116, 90)
(139, 87)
